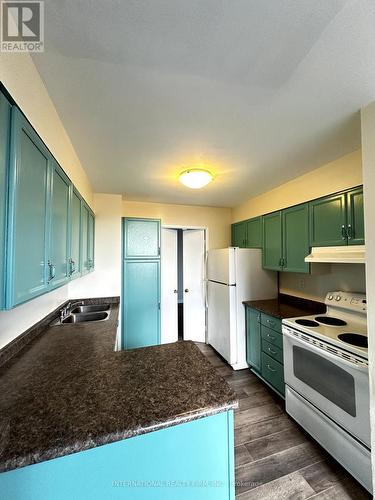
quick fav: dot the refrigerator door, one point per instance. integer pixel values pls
(221, 266)
(222, 320)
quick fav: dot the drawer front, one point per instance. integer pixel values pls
(272, 337)
(273, 351)
(271, 322)
(273, 372)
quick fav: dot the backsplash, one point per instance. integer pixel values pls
(324, 278)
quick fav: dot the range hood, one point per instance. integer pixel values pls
(351, 254)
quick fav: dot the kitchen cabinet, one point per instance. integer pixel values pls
(272, 241)
(141, 282)
(90, 240)
(295, 229)
(84, 238)
(328, 221)
(239, 235)
(75, 235)
(253, 339)
(28, 266)
(356, 218)
(254, 233)
(59, 244)
(5, 110)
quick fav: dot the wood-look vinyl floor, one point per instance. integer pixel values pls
(275, 458)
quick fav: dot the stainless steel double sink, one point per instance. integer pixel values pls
(84, 314)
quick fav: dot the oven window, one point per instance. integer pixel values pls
(331, 381)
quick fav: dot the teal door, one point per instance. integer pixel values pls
(253, 339)
(272, 241)
(90, 241)
(5, 110)
(142, 238)
(239, 234)
(84, 238)
(296, 239)
(28, 271)
(356, 219)
(141, 303)
(59, 252)
(254, 233)
(141, 283)
(75, 235)
(328, 221)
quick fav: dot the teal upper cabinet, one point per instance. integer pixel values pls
(356, 220)
(84, 238)
(5, 110)
(59, 249)
(254, 233)
(239, 234)
(28, 271)
(75, 235)
(328, 221)
(90, 240)
(295, 223)
(272, 241)
(141, 238)
(253, 339)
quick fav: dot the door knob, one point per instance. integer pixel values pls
(186, 290)
(175, 291)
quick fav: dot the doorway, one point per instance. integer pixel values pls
(183, 303)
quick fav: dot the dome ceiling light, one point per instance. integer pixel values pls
(195, 178)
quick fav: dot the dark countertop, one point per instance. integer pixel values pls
(68, 391)
(287, 306)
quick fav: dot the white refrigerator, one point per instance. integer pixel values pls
(234, 275)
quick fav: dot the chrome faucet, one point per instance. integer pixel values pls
(66, 311)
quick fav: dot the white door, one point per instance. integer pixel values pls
(194, 285)
(169, 286)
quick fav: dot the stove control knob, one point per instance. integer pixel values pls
(338, 297)
(330, 297)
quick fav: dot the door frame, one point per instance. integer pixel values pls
(206, 234)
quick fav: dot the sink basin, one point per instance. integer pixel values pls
(85, 317)
(89, 309)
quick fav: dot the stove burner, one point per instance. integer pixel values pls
(354, 339)
(329, 320)
(306, 322)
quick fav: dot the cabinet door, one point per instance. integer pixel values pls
(59, 248)
(75, 236)
(239, 234)
(5, 110)
(90, 241)
(142, 238)
(296, 239)
(254, 233)
(141, 303)
(253, 339)
(84, 238)
(328, 221)
(272, 241)
(28, 222)
(356, 220)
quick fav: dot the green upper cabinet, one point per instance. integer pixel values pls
(272, 241)
(295, 224)
(84, 238)
(239, 234)
(142, 238)
(356, 220)
(253, 339)
(328, 221)
(5, 110)
(28, 271)
(254, 233)
(59, 248)
(75, 235)
(90, 240)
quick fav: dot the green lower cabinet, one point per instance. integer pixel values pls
(272, 241)
(239, 234)
(356, 219)
(272, 350)
(295, 223)
(271, 336)
(253, 339)
(273, 373)
(254, 236)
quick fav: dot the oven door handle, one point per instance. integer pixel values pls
(327, 354)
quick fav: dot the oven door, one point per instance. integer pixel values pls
(336, 386)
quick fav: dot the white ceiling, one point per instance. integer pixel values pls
(260, 90)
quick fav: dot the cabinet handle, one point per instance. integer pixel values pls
(270, 369)
(186, 290)
(270, 336)
(52, 271)
(175, 291)
(72, 266)
(343, 232)
(349, 232)
(270, 322)
(271, 351)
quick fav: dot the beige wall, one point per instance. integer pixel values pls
(368, 153)
(343, 173)
(217, 220)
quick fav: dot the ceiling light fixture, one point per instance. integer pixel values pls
(195, 178)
